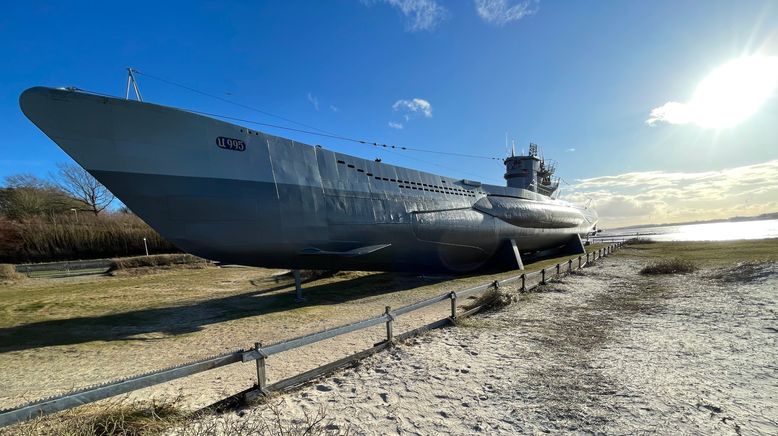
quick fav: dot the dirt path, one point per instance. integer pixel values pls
(604, 351)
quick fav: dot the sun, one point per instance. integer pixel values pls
(734, 91)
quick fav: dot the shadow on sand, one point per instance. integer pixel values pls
(193, 317)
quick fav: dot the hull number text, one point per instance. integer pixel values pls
(230, 143)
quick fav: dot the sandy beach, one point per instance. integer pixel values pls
(604, 351)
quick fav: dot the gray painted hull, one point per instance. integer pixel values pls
(283, 204)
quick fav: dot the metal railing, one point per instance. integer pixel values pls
(63, 268)
(259, 352)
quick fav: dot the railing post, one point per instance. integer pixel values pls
(543, 276)
(570, 265)
(453, 297)
(261, 375)
(587, 258)
(523, 283)
(389, 324)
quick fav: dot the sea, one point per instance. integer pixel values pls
(724, 231)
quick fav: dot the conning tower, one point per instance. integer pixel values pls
(522, 171)
(530, 172)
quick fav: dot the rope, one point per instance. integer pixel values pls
(318, 132)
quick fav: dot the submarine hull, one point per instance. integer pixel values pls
(236, 195)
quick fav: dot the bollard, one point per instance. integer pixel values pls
(570, 265)
(261, 375)
(579, 261)
(453, 297)
(543, 276)
(523, 283)
(389, 324)
(557, 270)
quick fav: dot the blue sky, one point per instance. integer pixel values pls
(578, 78)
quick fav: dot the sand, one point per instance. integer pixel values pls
(604, 351)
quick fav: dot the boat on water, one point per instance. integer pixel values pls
(237, 195)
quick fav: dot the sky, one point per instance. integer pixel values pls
(613, 91)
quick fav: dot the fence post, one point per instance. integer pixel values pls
(453, 297)
(543, 276)
(579, 261)
(557, 270)
(389, 324)
(261, 375)
(570, 265)
(523, 283)
(587, 258)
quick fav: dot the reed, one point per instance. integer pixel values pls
(83, 236)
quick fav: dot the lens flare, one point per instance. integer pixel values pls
(734, 91)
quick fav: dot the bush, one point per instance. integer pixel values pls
(8, 272)
(638, 241)
(159, 260)
(669, 266)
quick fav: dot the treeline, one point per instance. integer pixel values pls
(43, 220)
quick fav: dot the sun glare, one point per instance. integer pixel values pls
(734, 91)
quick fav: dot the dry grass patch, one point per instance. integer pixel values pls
(127, 265)
(8, 273)
(110, 418)
(669, 266)
(493, 298)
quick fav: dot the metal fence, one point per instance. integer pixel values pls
(72, 267)
(261, 352)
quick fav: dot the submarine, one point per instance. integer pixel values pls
(236, 195)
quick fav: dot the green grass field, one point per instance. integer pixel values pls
(708, 254)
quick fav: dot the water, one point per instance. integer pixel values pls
(727, 231)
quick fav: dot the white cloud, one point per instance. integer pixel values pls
(501, 12)
(334, 108)
(394, 125)
(663, 197)
(413, 107)
(314, 101)
(671, 112)
(419, 14)
(570, 150)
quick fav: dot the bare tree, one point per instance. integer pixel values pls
(25, 195)
(77, 182)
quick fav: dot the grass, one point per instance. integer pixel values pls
(42, 300)
(106, 418)
(122, 418)
(639, 241)
(706, 254)
(669, 266)
(491, 299)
